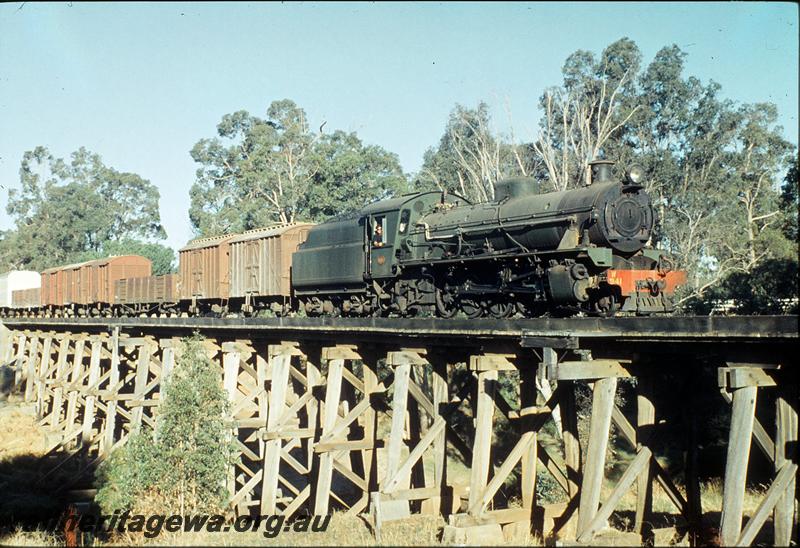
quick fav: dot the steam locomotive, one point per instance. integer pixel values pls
(526, 253)
(580, 251)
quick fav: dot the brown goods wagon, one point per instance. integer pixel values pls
(26, 298)
(57, 285)
(204, 268)
(149, 289)
(51, 287)
(98, 277)
(261, 259)
(71, 283)
(91, 281)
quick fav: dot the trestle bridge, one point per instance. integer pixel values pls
(360, 415)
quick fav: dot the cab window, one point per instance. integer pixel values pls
(404, 218)
(379, 231)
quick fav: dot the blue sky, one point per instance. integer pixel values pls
(140, 83)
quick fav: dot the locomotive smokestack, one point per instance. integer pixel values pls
(601, 171)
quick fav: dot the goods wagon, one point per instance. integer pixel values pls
(14, 281)
(156, 292)
(26, 298)
(90, 282)
(205, 273)
(261, 262)
(52, 286)
(61, 285)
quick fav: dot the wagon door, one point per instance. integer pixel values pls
(252, 269)
(77, 286)
(196, 273)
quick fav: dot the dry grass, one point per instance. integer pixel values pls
(711, 495)
(20, 434)
(22, 444)
(31, 538)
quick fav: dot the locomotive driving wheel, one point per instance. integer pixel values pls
(445, 303)
(472, 308)
(501, 309)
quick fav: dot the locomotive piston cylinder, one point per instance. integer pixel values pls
(568, 285)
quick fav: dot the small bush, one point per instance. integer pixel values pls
(183, 463)
(128, 473)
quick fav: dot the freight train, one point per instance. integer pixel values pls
(525, 253)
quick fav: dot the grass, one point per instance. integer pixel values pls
(20, 537)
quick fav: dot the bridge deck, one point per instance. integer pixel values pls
(672, 328)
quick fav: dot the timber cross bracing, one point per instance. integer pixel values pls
(330, 418)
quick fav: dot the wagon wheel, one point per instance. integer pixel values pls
(445, 303)
(471, 308)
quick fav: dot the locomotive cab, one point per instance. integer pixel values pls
(342, 259)
(389, 225)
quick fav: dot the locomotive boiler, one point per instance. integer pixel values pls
(580, 250)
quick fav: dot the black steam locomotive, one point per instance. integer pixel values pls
(580, 250)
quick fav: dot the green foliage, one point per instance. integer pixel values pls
(769, 288)
(790, 203)
(548, 490)
(259, 171)
(470, 157)
(128, 473)
(66, 209)
(348, 176)
(713, 166)
(587, 113)
(184, 462)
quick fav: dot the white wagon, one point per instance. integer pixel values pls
(15, 281)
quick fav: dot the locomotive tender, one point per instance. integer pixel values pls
(426, 253)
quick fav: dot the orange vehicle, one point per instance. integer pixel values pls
(88, 287)
(644, 288)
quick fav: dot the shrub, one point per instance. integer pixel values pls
(183, 463)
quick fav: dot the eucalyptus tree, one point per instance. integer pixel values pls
(594, 106)
(472, 156)
(259, 171)
(712, 165)
(65, 209)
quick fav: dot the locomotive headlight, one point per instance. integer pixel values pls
(635, 174)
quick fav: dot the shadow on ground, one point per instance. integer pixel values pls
(36, 488)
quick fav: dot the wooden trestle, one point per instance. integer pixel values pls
(364, 425)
